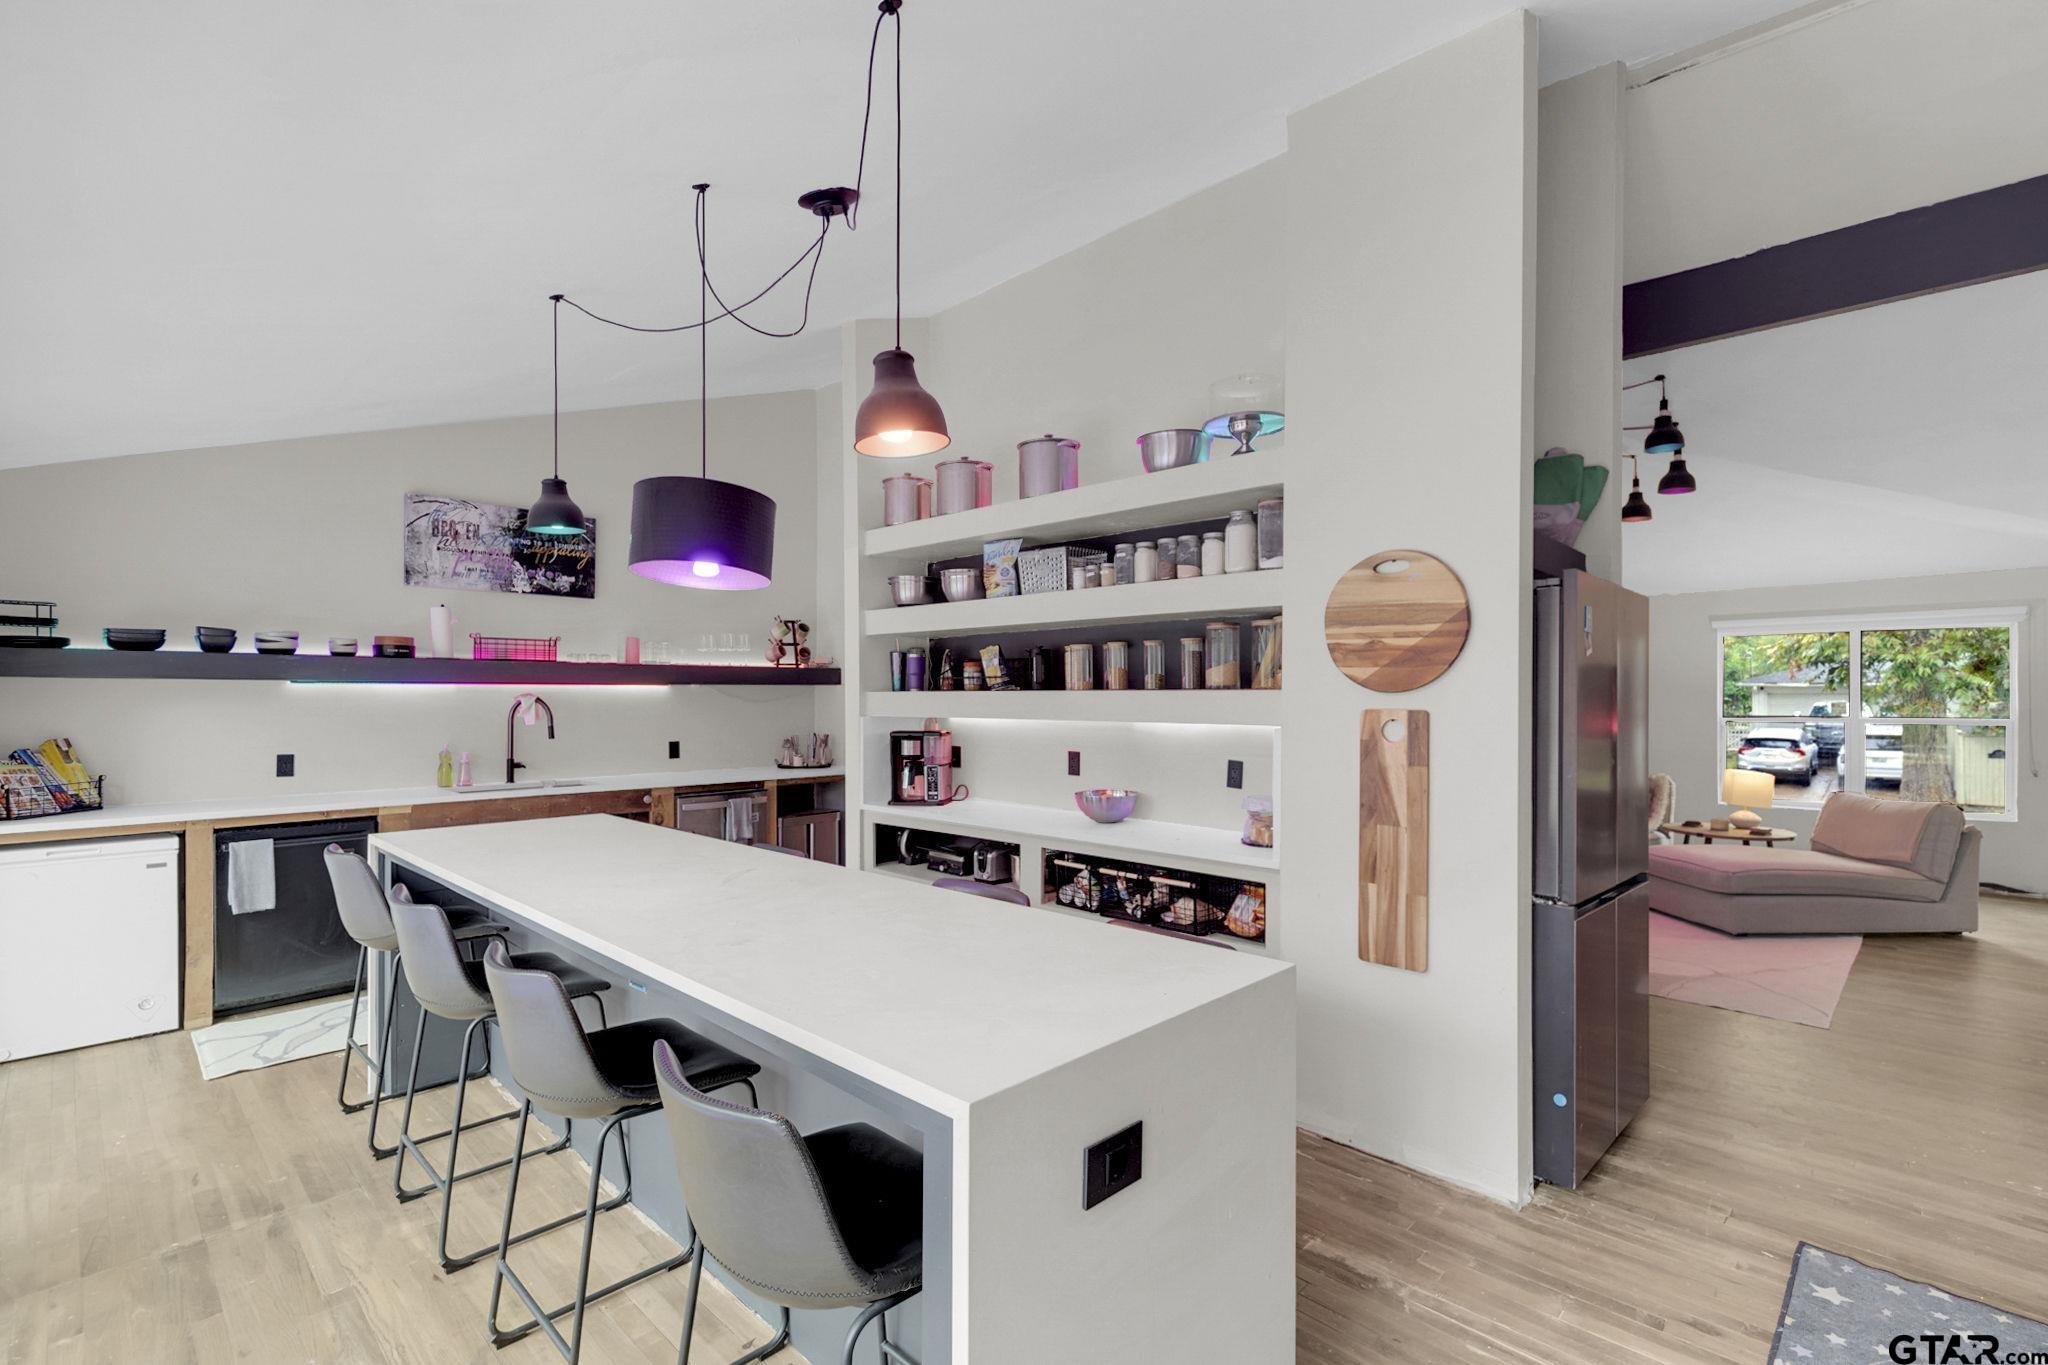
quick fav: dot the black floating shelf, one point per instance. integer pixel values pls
(330, 668)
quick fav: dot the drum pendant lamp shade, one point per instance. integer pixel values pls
(702, 533)
(898, 417)
(555, 513)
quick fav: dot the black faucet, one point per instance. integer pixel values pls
(512, 763)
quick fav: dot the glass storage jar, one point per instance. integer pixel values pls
(1222, 669)
(1271, 537)
(1190, 662)
(1240, 543)
(1212, 553)
(1187, 557)
(1145, 562)
(1266, 651)
(1116, 665)
(1155, 665)
(1125, 558)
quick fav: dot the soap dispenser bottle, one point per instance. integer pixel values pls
(444, 775)
(462, 778)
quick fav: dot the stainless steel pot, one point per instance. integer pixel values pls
(1050, 464)
(905, 497)
(909, 589)
(963, 485)
(960, 585)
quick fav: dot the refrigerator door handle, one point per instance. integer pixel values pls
(1589, 630)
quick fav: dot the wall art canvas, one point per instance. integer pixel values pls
(484, 547)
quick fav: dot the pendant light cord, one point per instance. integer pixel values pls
(814, 253)
(557, 298)
(704, 339)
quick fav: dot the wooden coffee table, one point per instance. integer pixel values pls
(1762, 834)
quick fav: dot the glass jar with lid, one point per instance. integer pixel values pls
(1222, 671)
(1187, 557)
(1190, 662)
(1155, 665)
(1125, 558)
(1212, 553)
(1240, 543)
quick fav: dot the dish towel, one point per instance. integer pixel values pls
(739, 819)
(252, 876)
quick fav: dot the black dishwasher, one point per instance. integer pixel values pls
(298, 950)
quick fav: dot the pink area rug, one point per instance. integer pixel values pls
(1797, 979)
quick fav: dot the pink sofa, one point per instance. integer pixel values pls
(1876, 867)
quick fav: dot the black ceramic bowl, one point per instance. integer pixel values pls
(215, 639)
(135, 638)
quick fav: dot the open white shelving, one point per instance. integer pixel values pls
(1197, 848)
(1244, 706)
(1167, 600)
(1195, 492)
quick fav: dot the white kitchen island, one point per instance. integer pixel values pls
(1003, 1040)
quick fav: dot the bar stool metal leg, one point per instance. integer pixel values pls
(775, 1342)
(352, 1048)
(383, 1062)
(503, 1274)
(876, 1312)
(408, 1143)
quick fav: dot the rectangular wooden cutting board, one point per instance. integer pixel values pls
(1393, 839)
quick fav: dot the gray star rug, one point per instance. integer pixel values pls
(1839, 1311)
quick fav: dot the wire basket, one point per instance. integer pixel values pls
(23, 801)
(527, 649)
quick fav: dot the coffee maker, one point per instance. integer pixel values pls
(921, 768)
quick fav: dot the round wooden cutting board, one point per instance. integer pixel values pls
(1396, 621)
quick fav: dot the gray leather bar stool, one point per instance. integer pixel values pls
(605, 1075)
(834, 1219)
(449, 987)
(366, 914)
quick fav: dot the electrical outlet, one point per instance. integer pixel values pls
(1073, 763)
(1113, 1165)
(287, 765)
(1233, 773)
(675, 748)
(959, 759)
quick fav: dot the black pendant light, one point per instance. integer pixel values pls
(898, 417)
(1637, 508)
(555, 513)
(1665, 439)
(701, 532)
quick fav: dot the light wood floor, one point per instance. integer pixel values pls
(1912, 1135)
(149, 1216)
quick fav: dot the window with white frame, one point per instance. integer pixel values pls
(1916, 706)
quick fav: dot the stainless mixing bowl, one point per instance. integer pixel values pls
(1172, 448)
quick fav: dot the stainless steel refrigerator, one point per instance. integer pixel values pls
(1591, 936)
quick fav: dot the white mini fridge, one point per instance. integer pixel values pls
(88, 943)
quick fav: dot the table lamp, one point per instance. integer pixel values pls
(1742, 787)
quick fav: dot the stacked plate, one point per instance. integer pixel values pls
(277, 642)
(139, 638)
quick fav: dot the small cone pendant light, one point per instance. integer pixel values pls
(1637, 508)
(898, 417)
(555, 513)
(697, 531)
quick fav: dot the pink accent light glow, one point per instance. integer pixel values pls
(699, 573)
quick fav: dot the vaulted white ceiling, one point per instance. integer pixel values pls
(230, 222)
(1890, 442)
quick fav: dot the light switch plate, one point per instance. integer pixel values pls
(1113, 1165)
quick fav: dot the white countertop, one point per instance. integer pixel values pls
(302, 803)
(940, 997)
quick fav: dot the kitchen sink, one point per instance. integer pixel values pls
(530, 785)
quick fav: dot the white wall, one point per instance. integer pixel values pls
(1871, 110)
(1410, 286)
(1685, 692)
(306, 535)
(1578, 291)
